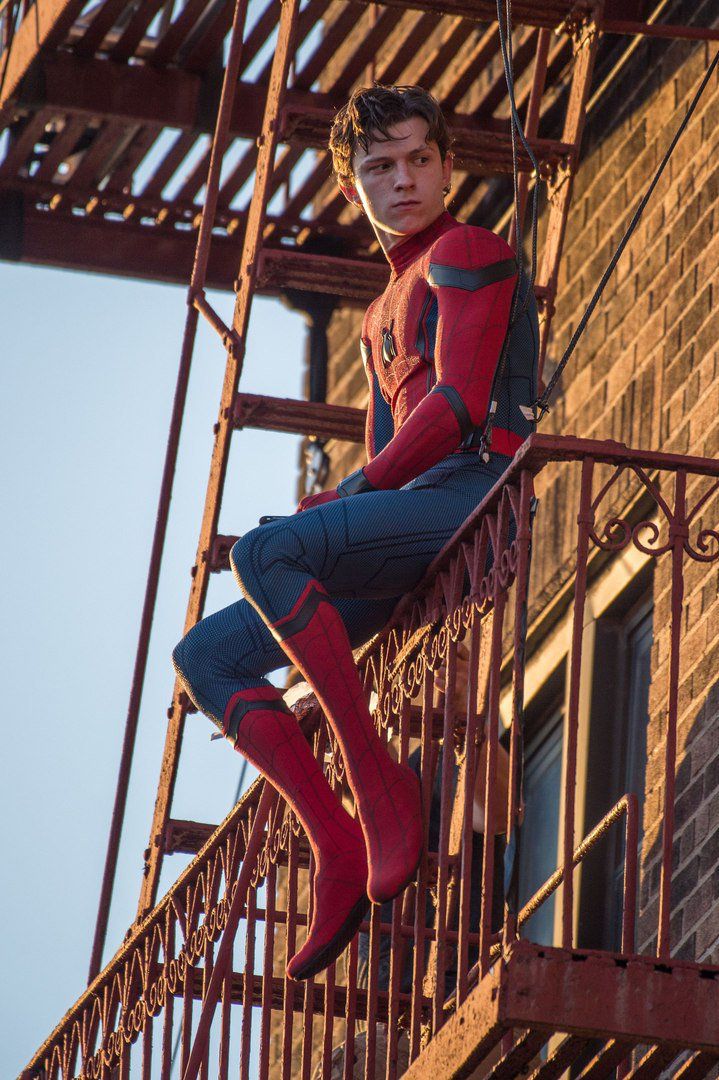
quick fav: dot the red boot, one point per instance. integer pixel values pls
(387, 794)
(261, 727)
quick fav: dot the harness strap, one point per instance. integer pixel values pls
(504, 441)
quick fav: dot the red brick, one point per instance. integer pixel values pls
(691, 71)
(689, 800)
(707, 336)
(680, 297)
(698, 310)
(707, 935)
(678, 371)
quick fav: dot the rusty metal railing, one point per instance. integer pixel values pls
(199, 988)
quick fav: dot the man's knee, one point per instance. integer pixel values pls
(241, 553)
(182, 657)
(258, 548)
(195, 661)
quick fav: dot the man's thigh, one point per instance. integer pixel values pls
(380, 543)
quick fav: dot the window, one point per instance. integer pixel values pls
(617, 755)
(540, 828)
(611, 748)
(538, 839)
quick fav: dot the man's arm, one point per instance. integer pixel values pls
(473, 274)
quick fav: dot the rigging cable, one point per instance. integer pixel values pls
(540, 407)
(516, 129)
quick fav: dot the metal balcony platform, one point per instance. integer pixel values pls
(534, 993)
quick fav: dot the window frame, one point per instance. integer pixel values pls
(624, 582)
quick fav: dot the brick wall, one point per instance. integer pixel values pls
(645, 374)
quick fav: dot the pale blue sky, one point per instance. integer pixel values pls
(86, 386)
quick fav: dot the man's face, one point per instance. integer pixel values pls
(400, 180)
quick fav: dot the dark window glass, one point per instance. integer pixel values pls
(538, 844)
(632, 748)
(617, 757)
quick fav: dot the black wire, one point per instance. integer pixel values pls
(240, 782)
(505, 41)
(517, 129)
(541, 405)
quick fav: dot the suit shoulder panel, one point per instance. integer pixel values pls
(468, 247)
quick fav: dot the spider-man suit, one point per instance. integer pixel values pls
(321, 582)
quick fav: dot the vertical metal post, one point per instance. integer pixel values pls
(257, 836)
(531, 124)
(418, 966)
(173, 740)
(350, 1011)
(584, 522)
(143, 644)
(223, 1065)
(516, 739)
(397, 942)
(679, 533)
(235, 358)
(629, 906)
(499, 601)
(470, 765)
(290, 946)
(586, 40)
(248, 985)
(268, 966)
(440, 923)
(167, 1028)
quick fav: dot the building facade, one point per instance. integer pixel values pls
(644, 374)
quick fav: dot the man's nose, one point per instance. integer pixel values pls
(402, 176)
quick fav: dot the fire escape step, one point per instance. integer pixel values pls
(189, 837)
(565, 1055)
(355, 278)
(483, 150)
(186, 837)
(696, 1067)
(652, 1064)
(314, 418)
(519, 1056)
(607, 1059)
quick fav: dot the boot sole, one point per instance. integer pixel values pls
(335, 945)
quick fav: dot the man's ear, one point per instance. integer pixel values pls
(350, 192)
(447, 170)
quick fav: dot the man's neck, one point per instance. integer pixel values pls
(406, 249)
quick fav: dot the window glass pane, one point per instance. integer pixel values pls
(538, 845)
(638, 677)
(636, 695)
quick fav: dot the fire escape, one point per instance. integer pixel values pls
(87, 93)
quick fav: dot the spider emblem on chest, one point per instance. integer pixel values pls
(389, 349)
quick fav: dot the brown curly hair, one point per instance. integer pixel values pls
(371, 110)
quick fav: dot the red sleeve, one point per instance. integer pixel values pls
(473, 273)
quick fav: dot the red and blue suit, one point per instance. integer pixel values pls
(323, 581)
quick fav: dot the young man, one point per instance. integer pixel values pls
(322, 582)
